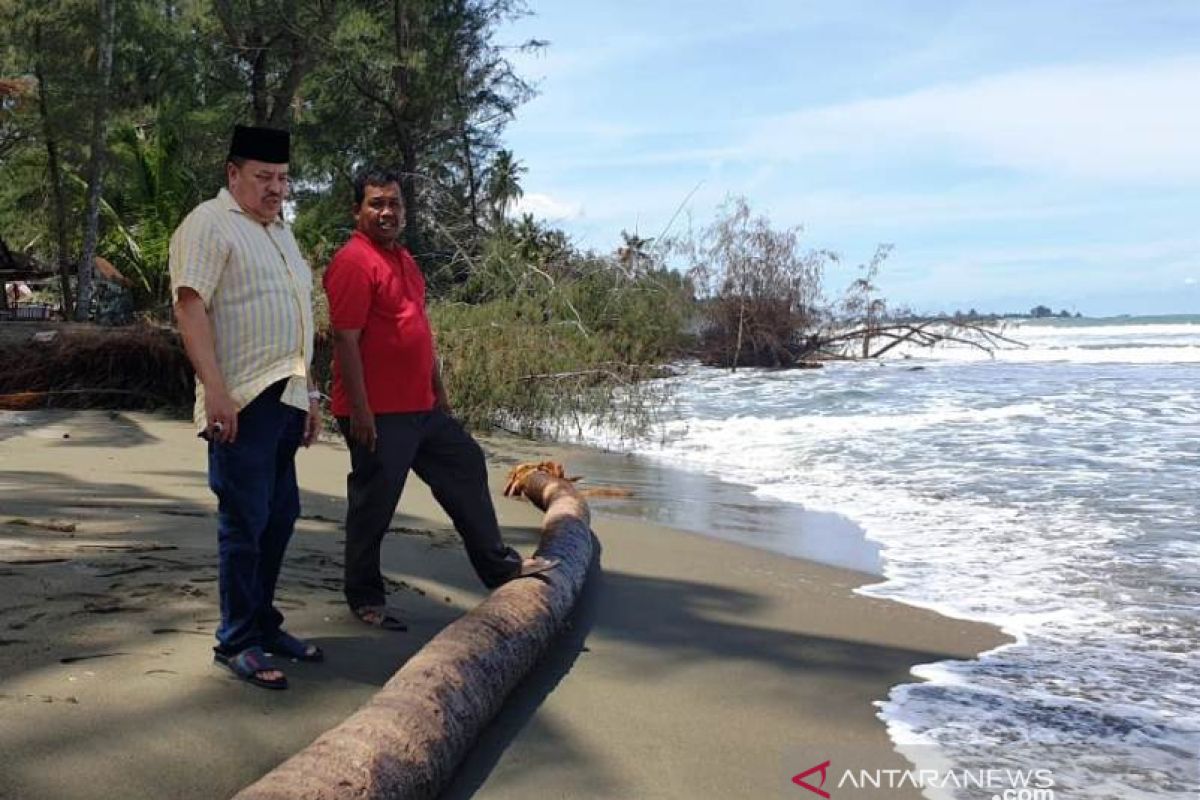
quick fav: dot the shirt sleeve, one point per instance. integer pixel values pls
(197, 257)
(348, 287)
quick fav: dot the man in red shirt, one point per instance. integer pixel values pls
(392, 408)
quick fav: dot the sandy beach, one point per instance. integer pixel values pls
(693, 667)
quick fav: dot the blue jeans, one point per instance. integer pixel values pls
(254, 479)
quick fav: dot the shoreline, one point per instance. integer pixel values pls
(830, 538)
(698, 502)
(693, 665)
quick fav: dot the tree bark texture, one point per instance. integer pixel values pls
(408, 739)
(91, 219)
(55, 174)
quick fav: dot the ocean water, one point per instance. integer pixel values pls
(1051, 490)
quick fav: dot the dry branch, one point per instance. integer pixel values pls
(925, 333)
(408, 739)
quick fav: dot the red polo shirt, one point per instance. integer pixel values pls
(382, 293)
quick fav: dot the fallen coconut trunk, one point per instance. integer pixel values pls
(408, 739)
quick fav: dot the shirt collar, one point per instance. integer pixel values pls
(396, 250)
(230, 203)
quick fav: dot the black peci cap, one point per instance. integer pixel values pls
(260, 144)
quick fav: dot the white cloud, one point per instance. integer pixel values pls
(547, 207)
(1160, 253)
(1125, 122)
(1066, 271)
(966, 204)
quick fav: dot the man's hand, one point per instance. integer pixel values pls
(362, 427)
(312, 425)
(222, 415)
(220, 412)
(362, 421)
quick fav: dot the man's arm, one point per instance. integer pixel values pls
(349, 357)
(312, 425)
(196, 330)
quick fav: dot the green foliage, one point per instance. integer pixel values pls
(535, 335)
(420, 85)
(155, 183)
(541, 338)
(503, 185)
(323, 221)
(23, 201)
(510, 364)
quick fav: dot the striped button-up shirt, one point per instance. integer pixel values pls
(257, 289)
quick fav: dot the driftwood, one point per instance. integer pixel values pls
(781, 342)
(408, 739)
(925, 333)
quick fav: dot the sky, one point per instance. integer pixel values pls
(1014, 153)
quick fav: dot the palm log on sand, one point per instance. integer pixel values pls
(408, 739)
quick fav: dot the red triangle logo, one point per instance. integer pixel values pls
(821, 768)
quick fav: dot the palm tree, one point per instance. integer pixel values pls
(633, 256)
(504, 184)
(156, 191)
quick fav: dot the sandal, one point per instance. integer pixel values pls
(249, 665)
(380, 617)
(284, 644)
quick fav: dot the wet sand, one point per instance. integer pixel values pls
(693, 667)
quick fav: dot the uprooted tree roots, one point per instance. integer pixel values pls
(82, 366)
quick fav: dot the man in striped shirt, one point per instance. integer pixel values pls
(243, 301)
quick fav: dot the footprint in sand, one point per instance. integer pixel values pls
(55, 526)
(21, 624)
(125, 571)
(39, 698)
(81, 596)
(89, 657)
(111, 608)
(162, 631)
(319, 518)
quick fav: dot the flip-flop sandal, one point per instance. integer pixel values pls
(248, 665)
(379, 617)
(535, 566)
(284, 644)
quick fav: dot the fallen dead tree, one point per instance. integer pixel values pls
(798, 349)
(408, 739)
(922, 333)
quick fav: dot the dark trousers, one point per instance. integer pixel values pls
(254, 479)
(445, 457)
